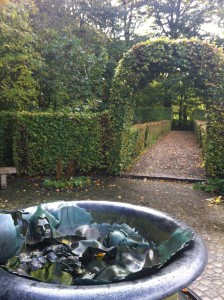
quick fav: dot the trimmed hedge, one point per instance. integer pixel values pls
(7, 125)
(152, 114)
(214, 158)
(59, 143)
(200, 132)
(210, 138)
(139, 137)
(41, 143)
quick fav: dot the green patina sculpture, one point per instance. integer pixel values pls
(64, 246)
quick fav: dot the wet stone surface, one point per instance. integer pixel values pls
(177, 199)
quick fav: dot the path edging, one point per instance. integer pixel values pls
(161, 177)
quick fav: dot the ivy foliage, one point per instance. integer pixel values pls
(70, 183)
(212, 185)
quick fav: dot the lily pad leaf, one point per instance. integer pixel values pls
(179, 240)
(112, 273)
(86, 231)
(13, 263)
(81, 247)
(134, 259)
(52, 273)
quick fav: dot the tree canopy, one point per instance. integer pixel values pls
(182, 18)
(19, 59)
(66, 52)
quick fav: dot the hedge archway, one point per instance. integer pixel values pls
(201, 61)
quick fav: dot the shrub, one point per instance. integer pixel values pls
(75, 182)
(212, 185)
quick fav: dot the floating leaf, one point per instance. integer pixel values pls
(13, 263)
(52, 273)
(178, 241)
(112, 273)
(89, 248)
(88, 232)
(133, 259)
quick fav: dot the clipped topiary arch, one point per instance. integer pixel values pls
(201, 61)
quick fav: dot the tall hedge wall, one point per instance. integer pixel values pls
(7, 126)
(198, 114)
(214, 158)
(152, 114)
(40, 142)
(210, 137)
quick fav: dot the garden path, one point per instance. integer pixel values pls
(175, 156)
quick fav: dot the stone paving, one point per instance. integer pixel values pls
(178, 199)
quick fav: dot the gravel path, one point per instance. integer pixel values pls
(175, 155)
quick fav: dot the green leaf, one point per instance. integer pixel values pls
(52, 273)
(178, 241)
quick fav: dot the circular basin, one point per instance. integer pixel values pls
(153, 225)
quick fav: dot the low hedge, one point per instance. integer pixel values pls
(139, 137)
(52, 143)
(200, 133)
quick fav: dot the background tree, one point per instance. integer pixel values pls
(132, 15)
(18, 58)
(66, 51)
(181, 18)
(72, 75)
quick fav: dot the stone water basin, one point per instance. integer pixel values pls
(167, 281)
